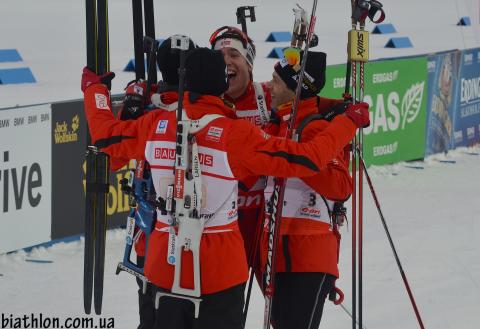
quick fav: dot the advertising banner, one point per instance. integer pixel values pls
(467, 114)
(443, 70)
(68, 138)
(397, 93)
(25, 177)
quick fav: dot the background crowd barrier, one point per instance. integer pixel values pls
(419, 106)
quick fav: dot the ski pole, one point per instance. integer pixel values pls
(397, 259)
(275, 214)
(242, 16)
(252, 258)
(357, 56)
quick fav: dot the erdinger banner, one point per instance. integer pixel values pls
(397, 93)
(467, 114)
(442, 88)
(25, 177)
(68, 139)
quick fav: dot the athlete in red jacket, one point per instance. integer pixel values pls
(229, 150)
(252, 102)
(163, 97)
(307, 254)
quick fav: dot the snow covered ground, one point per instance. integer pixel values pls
(433, 216)
(433, 213)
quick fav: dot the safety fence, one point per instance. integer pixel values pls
(419, 106)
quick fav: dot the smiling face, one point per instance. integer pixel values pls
(239, 72)
(281, 94)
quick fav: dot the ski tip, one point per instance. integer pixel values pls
(87, 308)
(98, 310)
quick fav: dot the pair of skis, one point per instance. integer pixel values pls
(97, 165)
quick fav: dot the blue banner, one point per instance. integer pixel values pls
(443, 70)
(467, 114)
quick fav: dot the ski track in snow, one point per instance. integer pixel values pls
(432, 215)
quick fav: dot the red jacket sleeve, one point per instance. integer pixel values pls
(253, 152)
(120, 139)
(334, 181)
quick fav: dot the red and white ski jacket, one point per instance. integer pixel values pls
(252, 106)
(307, 242)
(242, 149)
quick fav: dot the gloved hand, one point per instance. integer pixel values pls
(359, 114)
(90, 78)
(134, 101)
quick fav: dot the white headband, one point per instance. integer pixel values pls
(248, 54)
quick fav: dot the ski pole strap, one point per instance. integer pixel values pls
(334, 293)
(370, 9)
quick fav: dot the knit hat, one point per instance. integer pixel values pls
(314, 77)
(206, 72)
(168, 61)
(231, 37)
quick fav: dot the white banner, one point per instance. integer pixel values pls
(25, 177)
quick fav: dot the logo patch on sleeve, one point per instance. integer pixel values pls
(162, 127)
(138, 90)
(101, 102)
(214, 134)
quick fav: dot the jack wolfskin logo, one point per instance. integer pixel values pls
(64, 133)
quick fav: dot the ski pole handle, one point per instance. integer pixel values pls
(242, 16)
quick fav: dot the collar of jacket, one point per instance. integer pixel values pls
(306, 107)
(247, 93)
(206, 104)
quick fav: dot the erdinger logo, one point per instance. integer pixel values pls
(169, 154)
(65, 133)
(312, 212)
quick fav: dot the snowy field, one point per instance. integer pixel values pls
(433, 213)
(433, 216)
